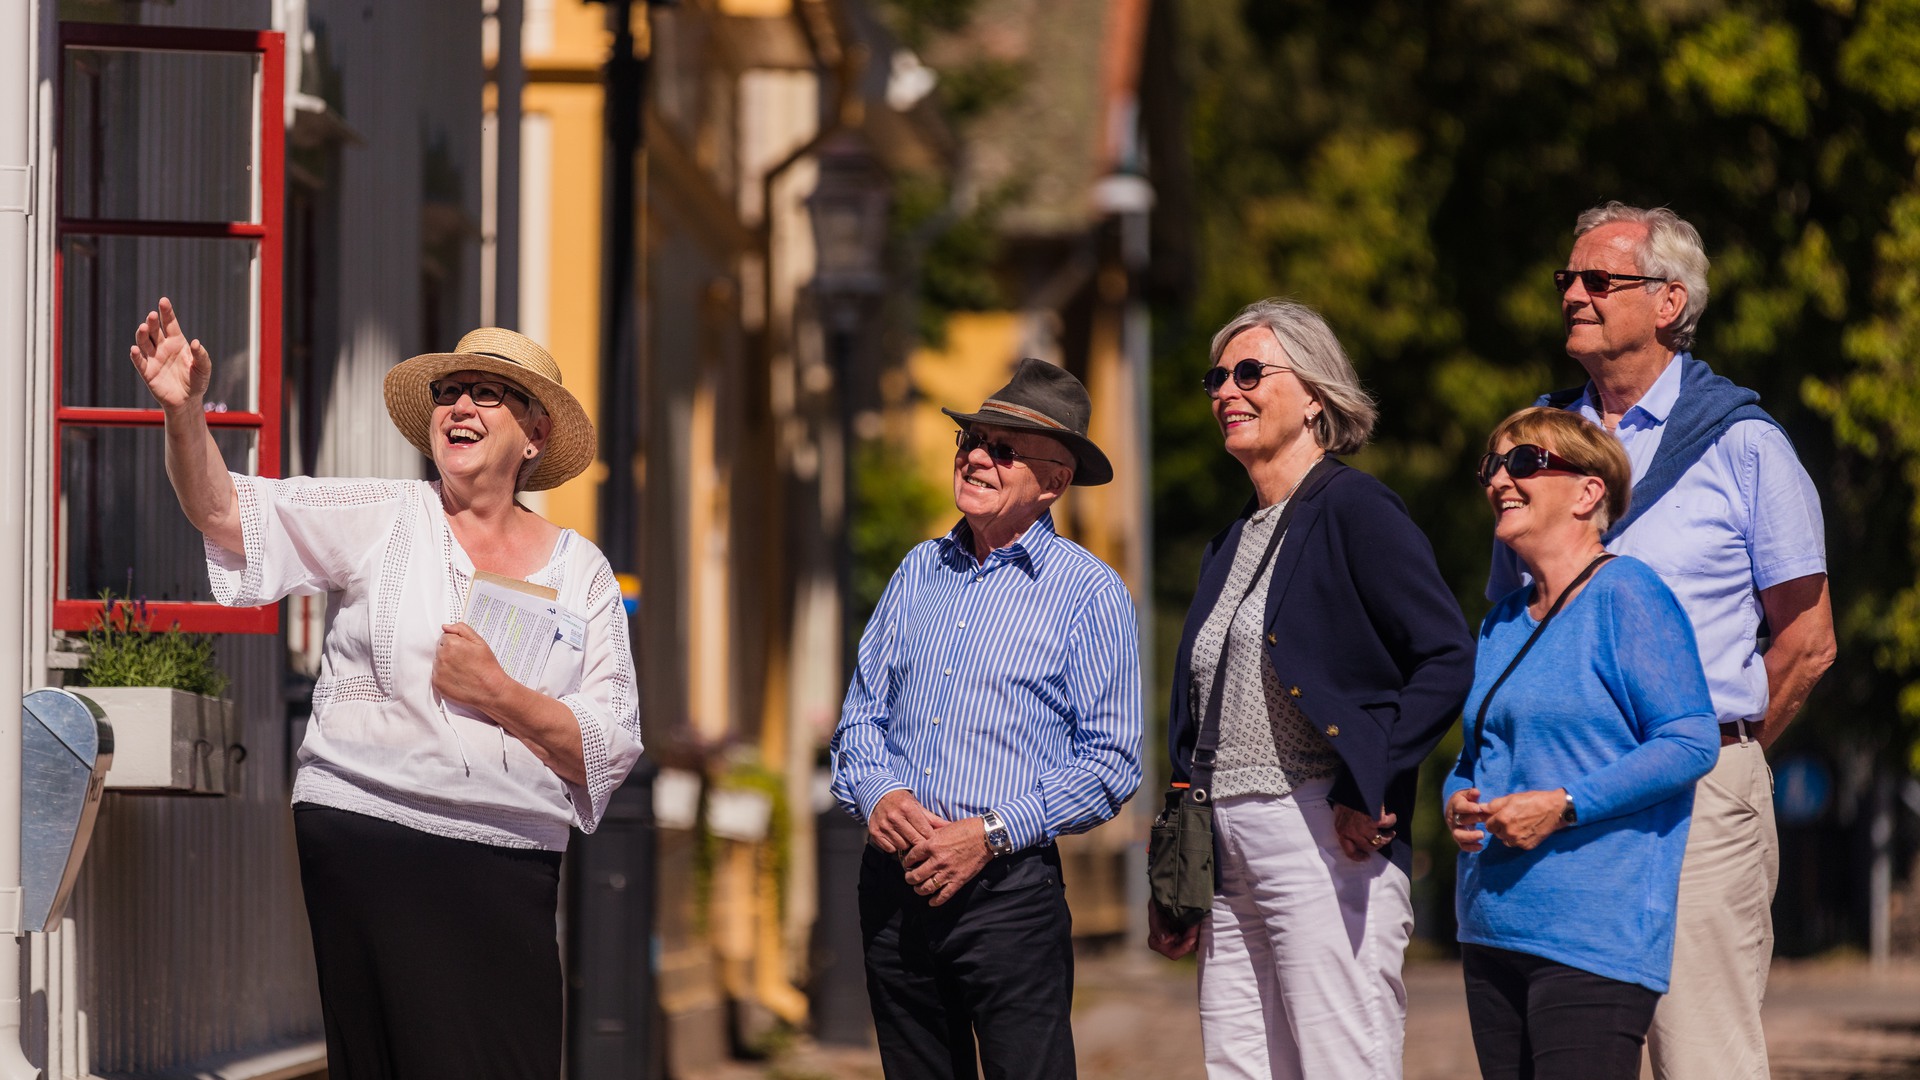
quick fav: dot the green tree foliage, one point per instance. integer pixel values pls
(899, 507)
(1413, 171)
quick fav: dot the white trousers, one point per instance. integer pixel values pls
(1300, 961)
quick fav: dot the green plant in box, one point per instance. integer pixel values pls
(123, 649)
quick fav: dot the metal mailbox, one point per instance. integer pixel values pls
(66, 748)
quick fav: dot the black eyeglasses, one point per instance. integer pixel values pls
(1598, 282)
(1246, 375)
(1000, 452)
(1523, 461)
(484, 394)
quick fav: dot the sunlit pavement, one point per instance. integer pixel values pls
(1135, 1019)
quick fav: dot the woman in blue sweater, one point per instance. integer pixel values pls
(1588, 725)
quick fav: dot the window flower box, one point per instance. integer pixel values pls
(168, 740)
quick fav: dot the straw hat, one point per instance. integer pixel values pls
(1049, 400)
(517, 359)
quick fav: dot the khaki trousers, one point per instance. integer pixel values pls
(1708, 1024)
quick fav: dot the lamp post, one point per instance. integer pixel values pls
(849, 211)
(613, 1000)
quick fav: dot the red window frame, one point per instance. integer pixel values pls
(197, 616)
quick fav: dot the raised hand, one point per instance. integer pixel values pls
(175, 370)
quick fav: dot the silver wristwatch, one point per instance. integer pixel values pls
(999, 841)
(1569, 814)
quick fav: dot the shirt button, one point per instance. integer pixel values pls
(929, 772)
(1333, 730)
(979, 577)
(949, 671)
(963, 624)
(936, 719)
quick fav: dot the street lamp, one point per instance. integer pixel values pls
(849, 209)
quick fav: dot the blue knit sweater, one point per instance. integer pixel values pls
(1610, 704)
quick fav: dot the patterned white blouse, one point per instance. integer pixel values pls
(382, 742)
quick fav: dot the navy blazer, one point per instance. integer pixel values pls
(1361, 630)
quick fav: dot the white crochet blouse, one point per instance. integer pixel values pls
(382, 742)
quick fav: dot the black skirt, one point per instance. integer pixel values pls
(437, 957)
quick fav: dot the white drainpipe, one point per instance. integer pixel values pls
(16, 198)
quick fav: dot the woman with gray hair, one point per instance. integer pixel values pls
(1323, 657)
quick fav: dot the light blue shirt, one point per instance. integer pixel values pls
(1745, 517)
(1609, 704)
(1011, 685)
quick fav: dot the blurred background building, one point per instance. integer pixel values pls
(767, 240)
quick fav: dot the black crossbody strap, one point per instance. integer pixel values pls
(1480, 721)
(1207, 742)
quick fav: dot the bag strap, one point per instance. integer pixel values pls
(1207, 742)
(1480, 721)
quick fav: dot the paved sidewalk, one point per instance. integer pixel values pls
(1135, 1019)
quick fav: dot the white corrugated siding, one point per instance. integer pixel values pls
(187, 937)
(191, 935)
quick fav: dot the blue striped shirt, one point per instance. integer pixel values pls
(1011, 685)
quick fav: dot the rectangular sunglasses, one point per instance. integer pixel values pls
(1523, 461)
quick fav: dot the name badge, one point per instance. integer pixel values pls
(571, 629)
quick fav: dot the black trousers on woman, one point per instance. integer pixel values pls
(1537, 1018)
(438, 958)
(993, 966)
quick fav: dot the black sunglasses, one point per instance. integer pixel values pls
(484, 394)
(1000, 452)
(1523, 461)
(1598, 282)
(1246, 375)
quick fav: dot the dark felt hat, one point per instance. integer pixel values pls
(1049, 400)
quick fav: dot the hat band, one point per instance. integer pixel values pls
(515, 361)
(1025, 413)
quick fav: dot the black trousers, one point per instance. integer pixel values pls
(437, 958)
(1537, 1018)
(992, 966)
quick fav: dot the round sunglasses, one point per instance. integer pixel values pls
(1246, 375)
(1523, 461)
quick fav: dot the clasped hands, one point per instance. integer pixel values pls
(1520, 820)
(940, 856)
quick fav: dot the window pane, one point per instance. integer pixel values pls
(109, 283)
(130, 113)
(121, 527)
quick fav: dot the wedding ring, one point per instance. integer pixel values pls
(1379, 839)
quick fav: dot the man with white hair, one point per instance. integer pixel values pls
(994, 708)
(1724, 511)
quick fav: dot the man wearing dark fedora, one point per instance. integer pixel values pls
(995, 705)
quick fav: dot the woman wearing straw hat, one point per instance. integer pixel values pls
(435, 792)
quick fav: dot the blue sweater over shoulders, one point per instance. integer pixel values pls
(1610, 704)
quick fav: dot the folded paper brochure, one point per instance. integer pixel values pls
(518, 620)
